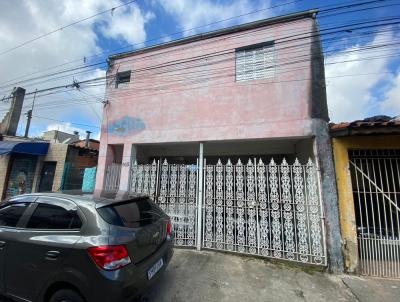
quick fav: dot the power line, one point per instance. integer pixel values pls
(61, 121)
(160, 37)
(213, 23)
(301, 37)
(64, 27)
(175, 64)
(216, 62)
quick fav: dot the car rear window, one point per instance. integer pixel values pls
(131, 214)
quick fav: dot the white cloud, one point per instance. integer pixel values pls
(391, 103)
(128, 25)
(23, 20)
(351, 97)
(194, 13)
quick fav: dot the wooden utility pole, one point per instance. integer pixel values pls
(29, 116)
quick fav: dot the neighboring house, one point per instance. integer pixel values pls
(28, 165)
(367, 161)
(60, 137)
(240, 106)
(59, 161)
(82, 154)
(19, 159)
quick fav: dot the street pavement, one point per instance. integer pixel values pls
(212, 276)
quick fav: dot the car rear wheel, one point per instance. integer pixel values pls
(66, 295)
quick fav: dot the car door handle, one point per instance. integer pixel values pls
(2, 244)
(52, 255)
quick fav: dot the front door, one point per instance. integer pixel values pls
(375, 176)
(47, 176)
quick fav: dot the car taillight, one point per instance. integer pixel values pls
(169, 229)
(110, 257)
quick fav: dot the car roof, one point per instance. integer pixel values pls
(99, 198)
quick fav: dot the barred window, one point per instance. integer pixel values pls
(255, 62)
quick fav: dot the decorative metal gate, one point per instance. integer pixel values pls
(264, 209)
(174, 189)
(271, 210)
(376, 189)
(112, 178)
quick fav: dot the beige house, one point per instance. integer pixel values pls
(28, 165)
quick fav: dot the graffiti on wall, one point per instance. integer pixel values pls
(127, 125)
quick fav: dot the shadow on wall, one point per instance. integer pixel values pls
(126, 126)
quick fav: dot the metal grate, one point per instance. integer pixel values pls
(255, 63)
(113, 176)
(271, 210)
(174, 189)
(376, 188)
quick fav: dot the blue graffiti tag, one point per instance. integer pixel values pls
(126, 126)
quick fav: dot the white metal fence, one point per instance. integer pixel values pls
(272, 210)
(264, 209)
(174, 188)
(376, 189)
(112, 178)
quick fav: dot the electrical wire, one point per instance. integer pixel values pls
(64, 27)
(92, 82)
(206, 25)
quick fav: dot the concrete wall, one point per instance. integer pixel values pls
(348, 225)
(324, 158)
(59, 136)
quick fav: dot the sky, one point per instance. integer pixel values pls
(359, 83)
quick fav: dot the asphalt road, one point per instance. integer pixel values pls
(212, 276)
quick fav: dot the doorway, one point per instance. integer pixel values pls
(375, 178)
(47, 176)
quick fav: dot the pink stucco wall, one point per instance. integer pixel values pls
(171, 101)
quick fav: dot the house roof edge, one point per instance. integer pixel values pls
(237, 28)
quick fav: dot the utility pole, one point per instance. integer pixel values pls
(28, 122)
(9, 124)
(29, 116)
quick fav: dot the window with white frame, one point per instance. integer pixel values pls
(255, 62)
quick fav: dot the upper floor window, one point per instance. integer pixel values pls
(255, 62)
(122, 77)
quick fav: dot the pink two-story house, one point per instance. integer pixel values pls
(228, 131)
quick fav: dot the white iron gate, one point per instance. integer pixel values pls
(376, 190)
(174, 189)
(112, 178)
(264, 209)
(271, 210)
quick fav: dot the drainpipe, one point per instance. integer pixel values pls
(87, 141)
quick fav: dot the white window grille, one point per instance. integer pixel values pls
(255, 62)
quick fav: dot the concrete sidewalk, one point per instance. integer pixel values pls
(212, 276)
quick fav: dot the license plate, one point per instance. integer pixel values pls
(155, 268)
